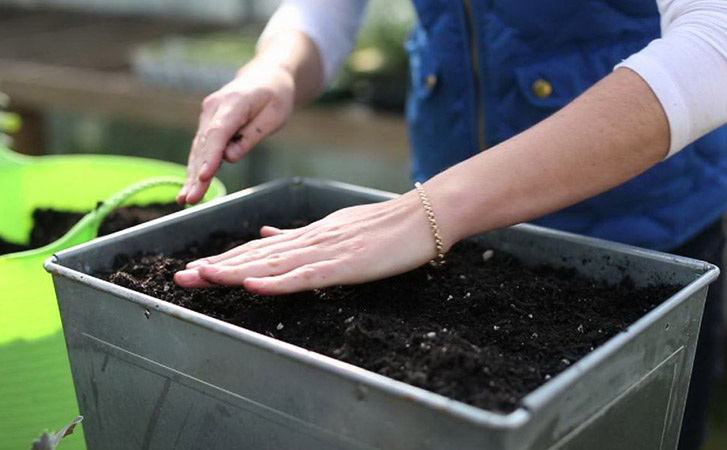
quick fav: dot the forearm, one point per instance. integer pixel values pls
(610, 134)
(296, 53)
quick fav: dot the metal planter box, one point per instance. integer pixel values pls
(151, 375)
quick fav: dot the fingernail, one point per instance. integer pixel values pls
(203, 169)
(186, 275)
(236, 153)
(197, 263)
(183, 191)
(252, 283)
(268, 231)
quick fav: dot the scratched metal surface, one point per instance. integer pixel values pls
(152, 375)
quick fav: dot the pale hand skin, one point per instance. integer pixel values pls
(610, 134)
(255, 104)
(349, 246)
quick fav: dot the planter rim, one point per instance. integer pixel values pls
(533, 401)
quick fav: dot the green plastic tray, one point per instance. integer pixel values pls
(36, 389)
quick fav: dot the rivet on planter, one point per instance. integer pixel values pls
(147, 313)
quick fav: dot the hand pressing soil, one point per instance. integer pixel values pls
(484, 329)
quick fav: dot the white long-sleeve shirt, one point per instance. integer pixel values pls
(686, 68)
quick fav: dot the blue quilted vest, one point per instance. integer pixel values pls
(484, 70)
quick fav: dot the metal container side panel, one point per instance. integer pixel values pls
(167, 381)
(634, 398)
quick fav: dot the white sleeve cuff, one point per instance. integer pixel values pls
(687, 68)
(332, 25)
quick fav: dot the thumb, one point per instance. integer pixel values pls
(268, 231)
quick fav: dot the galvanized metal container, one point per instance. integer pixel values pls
(151, 375)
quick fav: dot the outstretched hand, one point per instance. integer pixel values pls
(234, 120)
(352, 245)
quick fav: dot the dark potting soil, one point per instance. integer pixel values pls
(50, 224)
(482, 332)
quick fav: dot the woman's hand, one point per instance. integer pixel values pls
(353, 245)
(255, 104)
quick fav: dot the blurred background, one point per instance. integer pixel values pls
(128, 76)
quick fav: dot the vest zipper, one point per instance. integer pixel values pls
(475, 56)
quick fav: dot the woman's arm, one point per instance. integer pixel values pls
(286, 70)
(298, 54)
(614, 131)
(611, 133)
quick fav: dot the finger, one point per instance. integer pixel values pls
(191, 279)
(263, 252)
(268, 231)
(197, 191)
(227, 120)
(182, 195)
(197, 263)
(312, 276)
(285, 247)
(191, 171)
(234, 152)
(237, 251)
(215, 142)
(272, 265)
(261, 126)
(209, 108)
(207, 152)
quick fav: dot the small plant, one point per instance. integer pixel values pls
(50, 441)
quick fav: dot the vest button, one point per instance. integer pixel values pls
(430, 81)
(542, 89)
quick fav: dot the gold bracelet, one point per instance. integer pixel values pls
(438, 242)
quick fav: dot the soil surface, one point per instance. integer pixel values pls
(50, 224)
(485, 332)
